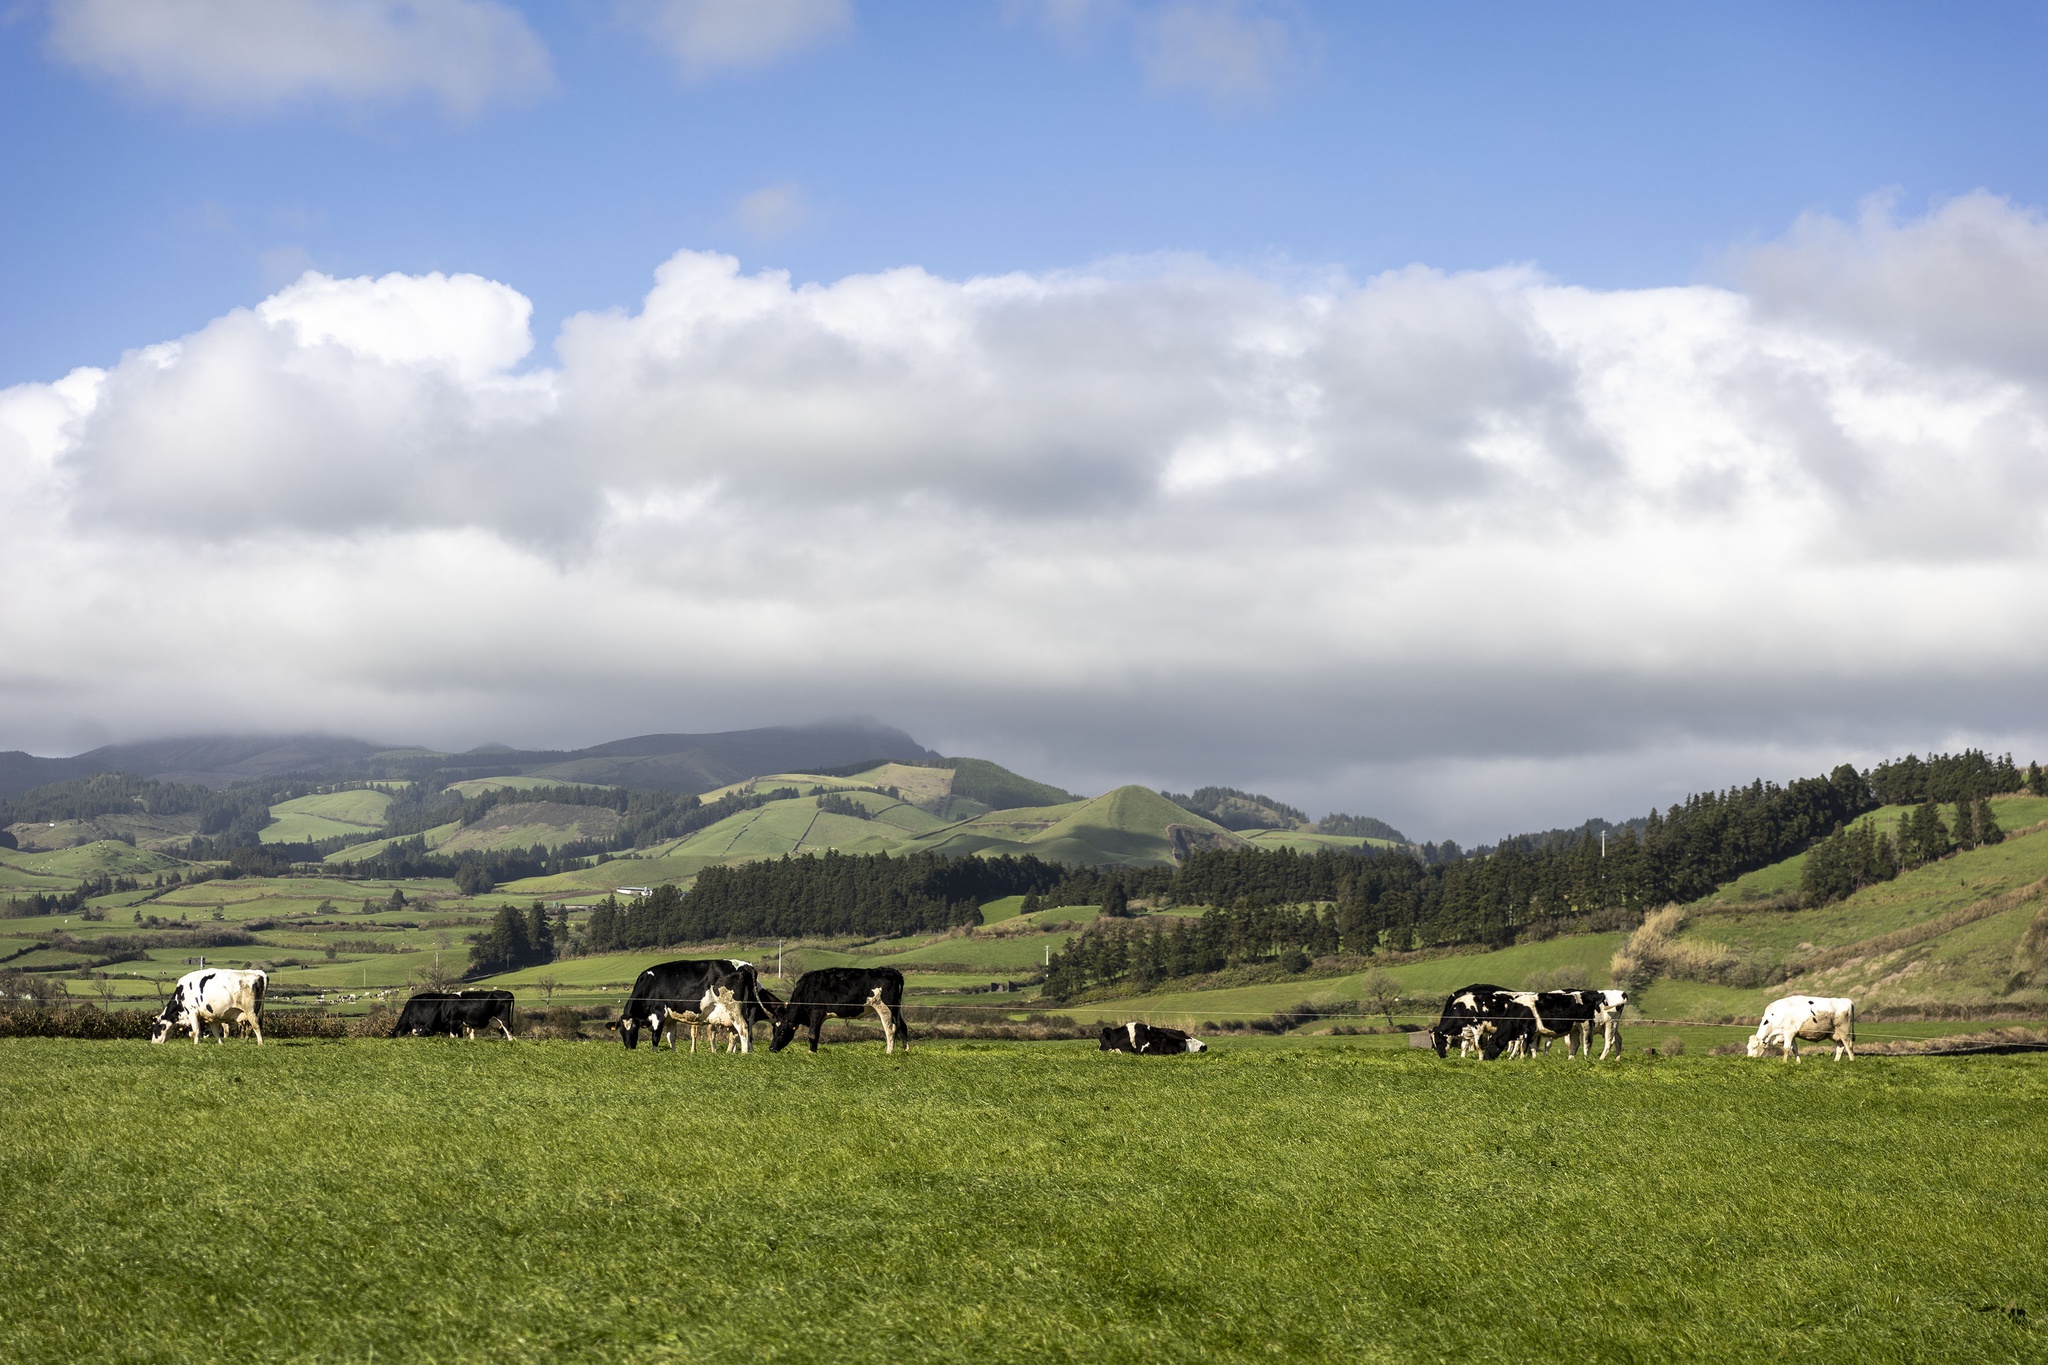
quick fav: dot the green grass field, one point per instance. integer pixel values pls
(996, 1202)
(311, 818)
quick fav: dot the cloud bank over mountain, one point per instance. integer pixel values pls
(1466, 548)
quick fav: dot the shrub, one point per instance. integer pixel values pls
(1570, 977)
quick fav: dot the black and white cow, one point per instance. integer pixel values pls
(686, 986)
(211, 1000)
(1607, 1009)
(1147, 1040)
(846, 993)
(1471, 1016)
(455, 1014)
(1552, 1015)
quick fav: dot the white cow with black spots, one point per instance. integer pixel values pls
(211, 1000)
(1811, 1017)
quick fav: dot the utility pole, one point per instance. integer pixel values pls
(778, 957)
(1603, 843)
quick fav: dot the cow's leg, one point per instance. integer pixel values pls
(256, 1027)
(881, 1009)
(817, 1024)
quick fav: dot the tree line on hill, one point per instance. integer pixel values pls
(1850, 859)
(1391, 900)
(819, 895)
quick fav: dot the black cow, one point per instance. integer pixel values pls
(456, 1014)
(1149, 1041)
(846, 992)
(683, 985)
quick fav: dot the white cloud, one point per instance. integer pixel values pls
(1228, 49)
(772, 211)
(1154, 519)
(261, 53)
(711, 35)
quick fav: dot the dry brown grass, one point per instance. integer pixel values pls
(1655, 950)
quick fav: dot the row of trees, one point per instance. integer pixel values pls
(1862, 855)
(1394, 901)
(518, 939)
(818, 895)
(1949, 778)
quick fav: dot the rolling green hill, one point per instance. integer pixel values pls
(434, 838)
(64, 868)
(1131, 826)
(311, 818)
(477, 785)
(1943, 939)
(526, 823)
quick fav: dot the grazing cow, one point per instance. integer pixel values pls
(434, 1013)
(1471, 1015)
(1569, 1015)
(1607, 1009)
(685, 986)
(847, 993)
(1807, 1016)
(1146, 1040)
(210, 1000)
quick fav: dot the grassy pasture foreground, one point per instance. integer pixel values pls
(989, 1202)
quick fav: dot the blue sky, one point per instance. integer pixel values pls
(1479, 416)
(1609, 145)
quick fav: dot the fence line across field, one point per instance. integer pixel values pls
(1628, 1022)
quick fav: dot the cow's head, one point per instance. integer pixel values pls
(1197, 1045)
(785, 1029)
(172, 1018)
(1756, 1045)
(629, 1025)
(1109, 1032)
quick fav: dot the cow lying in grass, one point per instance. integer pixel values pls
(845, 993)
(1807, 1016)
(212, 1000)
(1147, 1040)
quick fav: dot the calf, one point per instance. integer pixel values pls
(210, 1000)
(1147, 1040)
(686, 985)
(1807, 1016)
(1561, 1014)
(675, 1022)
(846, 993)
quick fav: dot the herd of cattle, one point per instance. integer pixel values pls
(723, 998)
